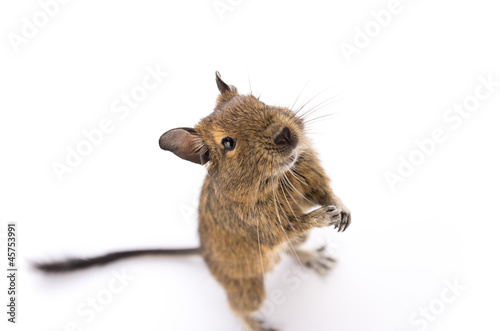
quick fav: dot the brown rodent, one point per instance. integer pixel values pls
(263, 178)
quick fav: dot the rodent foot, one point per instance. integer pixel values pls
(252, 323)
(317, 260)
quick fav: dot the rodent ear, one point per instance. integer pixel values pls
(223, 87)
(186, 143)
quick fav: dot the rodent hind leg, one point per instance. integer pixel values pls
(317, 259)
(246, 296)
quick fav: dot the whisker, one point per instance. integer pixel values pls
(279, 219)
(290, 194)
(315, 119)
(291, 172)
(260, 250)
(317, 111)
(311, 130)
(281, 207)
(321, 105)
(250, 85)
(307, 102)
(291, 185)
(291, 108)
(289, 206)
(258, 221)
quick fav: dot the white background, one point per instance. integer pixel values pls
(439, 225)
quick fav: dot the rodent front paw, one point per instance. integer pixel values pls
(339, 217)
(328, 215)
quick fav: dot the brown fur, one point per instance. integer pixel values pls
(255, 199)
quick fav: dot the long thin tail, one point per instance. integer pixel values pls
(78, 263)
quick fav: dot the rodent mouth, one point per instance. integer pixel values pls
(290, 161)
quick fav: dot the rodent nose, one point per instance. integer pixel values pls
(285, 137)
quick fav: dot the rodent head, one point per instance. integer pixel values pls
(243, 142)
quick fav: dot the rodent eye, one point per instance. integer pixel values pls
(228, 143)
